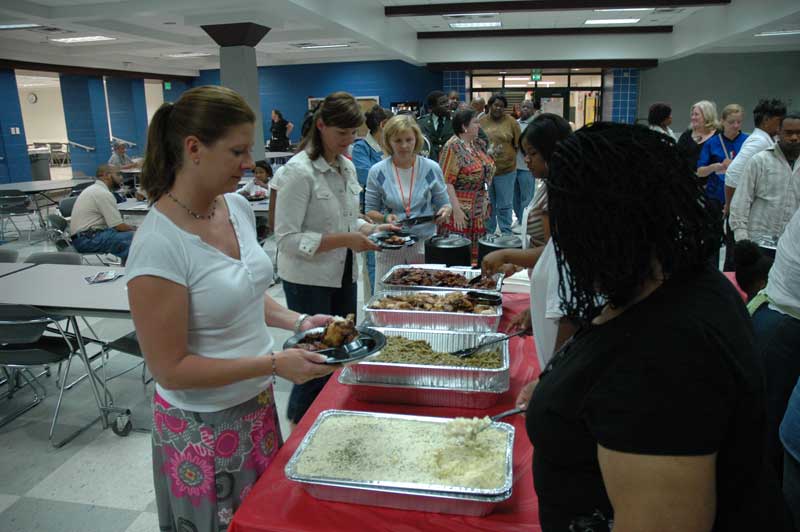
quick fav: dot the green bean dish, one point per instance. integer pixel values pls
(400, 350)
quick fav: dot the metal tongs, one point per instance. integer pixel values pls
(408, 222)
(469, 351)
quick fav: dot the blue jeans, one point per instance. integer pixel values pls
(501, 196)
(108, 241)
(777, 337)
(371, 268)
(524, 187)
(309, 299)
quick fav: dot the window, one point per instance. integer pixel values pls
(585, 81)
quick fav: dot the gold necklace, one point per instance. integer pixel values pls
(195, 215)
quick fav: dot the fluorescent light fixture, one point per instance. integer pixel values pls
(515, 79)
(517, 86)
(464, 25)
(318, 46)
(624, 9)
(612, 21)
(19, 26)
(182, 55)
(472, 15)
(777, 33)
(90, 38)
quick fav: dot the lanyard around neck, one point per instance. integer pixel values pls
(406, 205)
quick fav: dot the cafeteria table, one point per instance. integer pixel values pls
(134, 206)
(61, 289)
(41, 188)
(276, 504)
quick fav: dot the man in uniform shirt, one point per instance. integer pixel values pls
(768, 194)
(436, 125)
(96, 224)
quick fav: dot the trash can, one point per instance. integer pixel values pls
(40, 164)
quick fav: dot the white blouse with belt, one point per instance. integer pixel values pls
(316, 199)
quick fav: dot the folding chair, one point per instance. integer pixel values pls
(58, 233)
(23, 344)
(15, 203)
(8, 255)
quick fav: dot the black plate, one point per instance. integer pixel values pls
(380, 237)
(248, 197)
(373, 342)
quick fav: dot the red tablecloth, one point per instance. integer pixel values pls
(279, 505)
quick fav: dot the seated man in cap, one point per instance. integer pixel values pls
(96, 224)
(120, 159)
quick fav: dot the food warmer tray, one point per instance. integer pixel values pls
(403, 496)
(432, 320)
(469, 273)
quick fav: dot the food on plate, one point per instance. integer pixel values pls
(401, 350)
(338, 332)
(440, 278)
(374, 449)
(395, 240)
(452, 302)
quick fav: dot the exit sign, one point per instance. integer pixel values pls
(536, 74)
(167, 85)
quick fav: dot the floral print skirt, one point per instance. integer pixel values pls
(205, 463)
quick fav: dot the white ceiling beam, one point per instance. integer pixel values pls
(715, 24)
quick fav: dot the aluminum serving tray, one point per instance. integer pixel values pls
(467, 272)
(453, 377)
(403, 495)
(418, 395)
(431, 320)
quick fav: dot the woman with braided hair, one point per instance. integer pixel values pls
(652, 416)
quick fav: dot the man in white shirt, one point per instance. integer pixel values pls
(767, 116)
(96, 224)
(768, 194)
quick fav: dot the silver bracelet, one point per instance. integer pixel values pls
(299, 322)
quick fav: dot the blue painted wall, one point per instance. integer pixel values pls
(176, 89)
(128, 112)
(15, 165)
(288, 87)
(85, 115)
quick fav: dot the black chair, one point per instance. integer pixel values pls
(77, 189)
(8, 255)
(65, 205)
(23, 345)
(15, 203)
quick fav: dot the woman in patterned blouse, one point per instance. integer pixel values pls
(468, 170)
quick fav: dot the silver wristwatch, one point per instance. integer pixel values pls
(299, 322)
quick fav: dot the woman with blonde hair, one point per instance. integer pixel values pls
(197, 282)
(403, 186)
(718, 152)
(703, 125)
(318, 227)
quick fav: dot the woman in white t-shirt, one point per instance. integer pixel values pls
(197, 281)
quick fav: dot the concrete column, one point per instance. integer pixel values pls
(127, 109)
(87, 122)
(238, 68)
(14, 162)
(240, 73)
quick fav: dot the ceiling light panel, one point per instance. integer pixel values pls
(777, 33)
(88, 38)
(624, 9)
(475, 25)
(598, 21)
(183, 55)
(467, 15)
(19, 26)
(320, 46)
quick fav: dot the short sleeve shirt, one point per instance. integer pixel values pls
(226, 297)
(676, 374)
(95, 208)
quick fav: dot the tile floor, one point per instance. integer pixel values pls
(99, 482)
